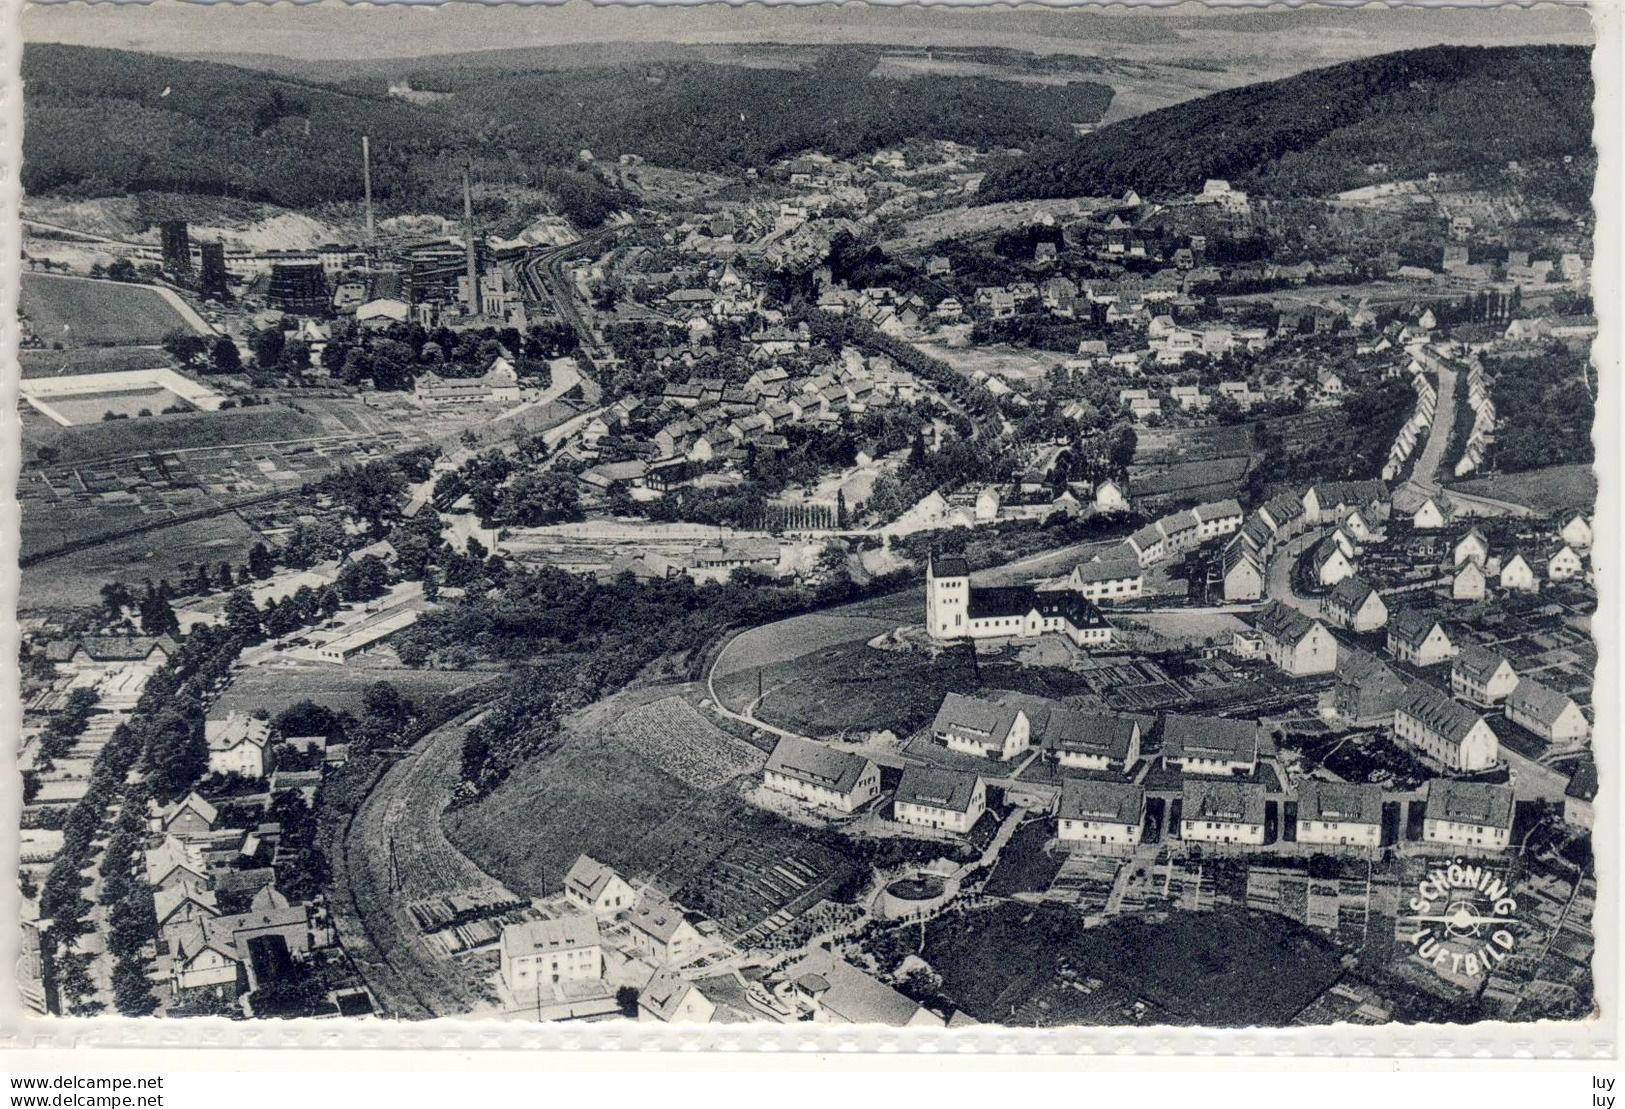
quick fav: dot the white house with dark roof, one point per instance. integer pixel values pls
(1354, 603)
(1210, 744)
(1576, 531)
(1446, 731)
(540, 954)
(1481, 676)
(671, 999)
(1339, 814)
(987, 729)
(946, 800)
(1094, 740)
(1431, 515)
(176, 864)
(1100, 814)
(1419, 639)
(1543, 710)
(596, 888)
(1330, 562)
(1564, 564)
(1217, 518)
(1518, 576)
(1472, 547)
(239, 744)
(1103, 580)
(1297, 644)
(820, 775)
(1468, 814)
(1222, 812)
(830, 990)
(1470, 583)
(661, 931)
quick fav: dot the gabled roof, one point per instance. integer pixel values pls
(1114, 802)
(1350, 594)
(1348, 802)
(974, 719)
(990, 602)
(816, 764)
(111, 648)
(236, 729)
(1479, 663)
(1208, 737)
(656, 918)
(1283, 623)
(588, 877)
(1411, 627)
(1107, 569)
(665, 993)
(1218, 510)
(1105, 734)
(193, 803)
(1478, 803)
(165, 902)
(1443, 716)
(566, 933)
(1230, 802)
(1542, 702)
(1583, 784)
(938, 789)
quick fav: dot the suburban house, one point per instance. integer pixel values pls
(988, 729)
(831, 990)
(596, 888)
(1579, 797)
(1576, 532)
(239, 744)
(1331, 564)
(821, 775)
(1210, 744)
(1470, 583)
(1472, 547)
(191, 818)
(1446, 731)
(1543, 710)
(1517, 576)
(1355, 604)
(1114, 579)
(173, 864)
(1564, 565)
(1222, 812)
(671, 1000)
(1149, 545)
(545, 953)
(660, 930)
(1094, 741)
(178, 907)
(1095, 813)
(1468, 814)
(1368, 690)
(1296, 644)
(1243, 573)
(216, 954)
(1419, 639)
(1338, 814)
(954, 609)
(1481, 676)
(1327, 501)
(942, 799)
(1430, 515)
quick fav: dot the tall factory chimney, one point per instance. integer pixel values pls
(366, 184)
(472, 300)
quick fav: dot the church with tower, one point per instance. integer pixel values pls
(954, 609)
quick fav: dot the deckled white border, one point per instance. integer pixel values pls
(1578, 1041)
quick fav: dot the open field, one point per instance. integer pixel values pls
(1546, 490)
(599, 792)
(1008, 362)
(1218, 968)
(83, 312)
(917, 234)
(273, 689)
(90, 360)
(771, 644)
(182, 431)
(168, 552)
(85, 408)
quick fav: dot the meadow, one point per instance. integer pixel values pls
(84, 312)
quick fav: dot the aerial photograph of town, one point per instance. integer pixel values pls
(1031, 517)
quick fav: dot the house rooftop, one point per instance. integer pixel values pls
(1478, 803)
(1348, 802)
(535, 937)
(1539, 701)
(1229, 802)
(938, 789)
(816, 764)
(1112, 802)
(1208, 737)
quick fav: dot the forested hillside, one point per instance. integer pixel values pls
(1442, 108)
(110, 122)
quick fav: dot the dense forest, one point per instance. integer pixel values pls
(110, 122)
(1439, 109)
(1552, 406)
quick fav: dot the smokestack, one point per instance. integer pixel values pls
(472, 303)
(366, 183)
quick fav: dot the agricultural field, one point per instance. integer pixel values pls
(268, 689)
(1214, 968)
(90, 360)
(686, 745)
(1546, 490)
(183, 431)
(79, 311)
(169, 552)
(84, 408)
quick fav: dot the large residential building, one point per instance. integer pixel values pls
(1105, 580)
(1100, 814)
(1551, 715)
(595, 888)
(1368, 690)
(540, 954)
(987, 729)
(1094, 740)
(1210, 744)
(1446, 731)
(1419, 639)
(821, 775)
(1356, 605)
(239, 744)
(954, 609)
(942, 799)
(1297, 644)
(1339, 814)
(1222, 812)
(1481, 676)
(1468, 814)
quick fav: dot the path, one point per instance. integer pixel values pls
(1278, 578)
(1426, 474)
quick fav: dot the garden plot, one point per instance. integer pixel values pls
(686, 746)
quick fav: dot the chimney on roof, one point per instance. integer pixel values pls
(366, 185)
(472, 300)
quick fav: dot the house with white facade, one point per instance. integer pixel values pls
(543, 954)
(1339, 814)
(661, 931)
(1481, 676)
(945, 800)
(1564, 564)
(1470, 583)
(1517, 576)
(1472, 547)
(1222, 812)
(1419, 638)
(1094, 814)
(1576, 531)
(820, 775)
(671, 999)
(1094, 740)
(1355, 604)
(1446, 731)
(1468, 814)
(1210, 744)
(239, 744)
(1548, 713)
(954, 609)
(986, 729)
(598, 889)
(1298, 645)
